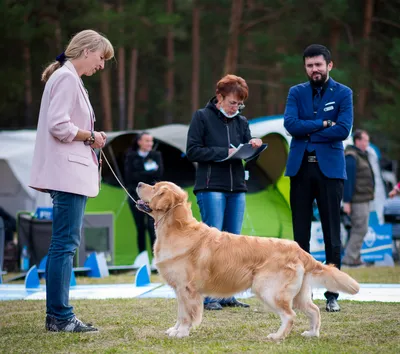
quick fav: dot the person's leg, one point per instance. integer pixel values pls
(151, 230)
(68, 211)
(330, 194)
(234, 212)
(212, 207)
(359, 228)
(139, 218)
(233, 221)
(301, 202)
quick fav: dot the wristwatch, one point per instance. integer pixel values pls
(328, 123)
(91, 140)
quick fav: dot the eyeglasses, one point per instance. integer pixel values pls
(240, 105)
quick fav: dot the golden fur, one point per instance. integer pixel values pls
(196, 260)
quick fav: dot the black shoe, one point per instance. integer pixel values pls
(213, 306)
(332, 305)
(234, 303)
(71, 325)
(357, 264)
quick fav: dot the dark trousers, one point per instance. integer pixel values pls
(309, 184)
(143, 222)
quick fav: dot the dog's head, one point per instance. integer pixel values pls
(159, 198)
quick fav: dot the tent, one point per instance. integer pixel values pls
(16, 152)
(267, 203)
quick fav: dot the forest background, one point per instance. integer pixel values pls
(169, 54)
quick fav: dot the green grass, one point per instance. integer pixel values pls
(138, 325)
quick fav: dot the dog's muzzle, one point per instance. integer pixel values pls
(143, 206)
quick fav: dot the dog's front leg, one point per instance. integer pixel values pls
(190, 311)
(174, 330)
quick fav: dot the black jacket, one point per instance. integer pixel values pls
(135, 171)
(209, 138)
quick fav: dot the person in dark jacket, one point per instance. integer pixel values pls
(358, 193)
(215, 131)
(142, 164)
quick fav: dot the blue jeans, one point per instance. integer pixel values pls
(68, 212)
(224, 211)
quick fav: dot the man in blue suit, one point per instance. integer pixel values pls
(318, 116)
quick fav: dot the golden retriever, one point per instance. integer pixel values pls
(196, 260)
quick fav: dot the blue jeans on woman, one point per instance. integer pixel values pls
(68, 212)
(225, 211)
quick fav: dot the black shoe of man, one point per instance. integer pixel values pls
(332, 305)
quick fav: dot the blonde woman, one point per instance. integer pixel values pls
(65, 165)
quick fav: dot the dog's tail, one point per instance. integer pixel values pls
(329, 277)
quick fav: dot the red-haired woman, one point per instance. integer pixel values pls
(220, 187)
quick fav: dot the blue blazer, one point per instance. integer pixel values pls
(305, 127)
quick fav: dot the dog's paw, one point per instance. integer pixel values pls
(171, 330)
(182, 334)
(310, 334)
(177, 333)
(274, 337)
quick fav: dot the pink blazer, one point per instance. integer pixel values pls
(59, 163)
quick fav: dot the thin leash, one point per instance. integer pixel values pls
(102, 154)
(158, 221)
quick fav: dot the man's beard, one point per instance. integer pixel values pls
(320, 82)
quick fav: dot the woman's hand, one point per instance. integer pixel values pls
(347, 208)
(255, 143)
(99, 140)
(393, 192)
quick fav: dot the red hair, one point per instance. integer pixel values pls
(233, 84)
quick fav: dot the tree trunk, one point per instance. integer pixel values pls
(195, 57)
(132, 88)
(364, 60)
(59, 41)
(143, 106)
(232, 51)
(170, 84)
(334, 41)
(28, 85)
(105, 84)
(121, 77)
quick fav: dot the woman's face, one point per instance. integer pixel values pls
(230, 103)
(146, 143)
(94, 61)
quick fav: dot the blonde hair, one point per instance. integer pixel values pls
(87, 39)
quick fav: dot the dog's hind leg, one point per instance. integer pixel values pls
(190, 311)
(303, 302)
(277, 292)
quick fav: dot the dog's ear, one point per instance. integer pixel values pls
(164, 199)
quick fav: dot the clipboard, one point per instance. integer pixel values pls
(245, 152)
